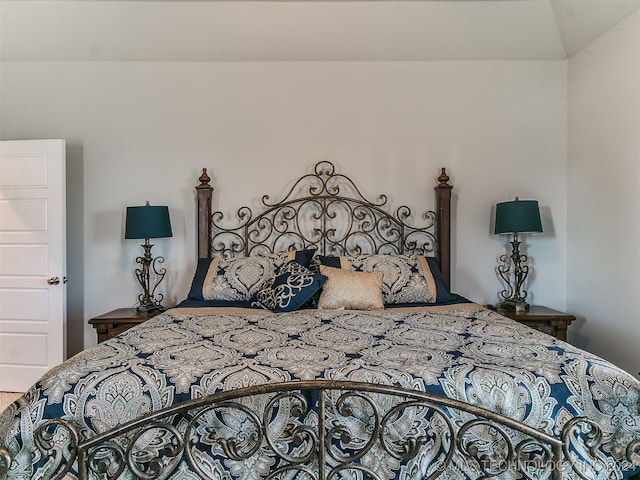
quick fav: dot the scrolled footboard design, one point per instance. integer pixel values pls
(322, 430)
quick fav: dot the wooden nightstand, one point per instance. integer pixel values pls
(117, 321)
(542, 318)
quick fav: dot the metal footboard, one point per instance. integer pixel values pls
(322, 430)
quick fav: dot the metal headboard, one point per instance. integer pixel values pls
(325, 210)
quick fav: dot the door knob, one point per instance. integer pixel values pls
(53, 281)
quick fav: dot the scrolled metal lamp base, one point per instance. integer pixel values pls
(513, 297)
(147, 301)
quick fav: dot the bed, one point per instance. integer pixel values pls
(320, 340)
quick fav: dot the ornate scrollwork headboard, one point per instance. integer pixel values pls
(326, 210)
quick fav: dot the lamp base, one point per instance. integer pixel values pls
(516, 305)
(149, 268)
(150, 308)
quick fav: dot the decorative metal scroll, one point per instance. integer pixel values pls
(323, 430)
(326, 211)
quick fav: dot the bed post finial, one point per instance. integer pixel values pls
(443, 178)
(443, 225)
(203, 192)
(204, 178)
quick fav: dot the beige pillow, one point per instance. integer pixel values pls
(350, 290)
(405, 278)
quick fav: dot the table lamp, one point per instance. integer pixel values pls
(148, 222)
(516, 217)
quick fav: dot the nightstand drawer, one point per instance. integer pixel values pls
(117, 321)
(544, 319)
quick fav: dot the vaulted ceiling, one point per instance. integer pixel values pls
(303, 30)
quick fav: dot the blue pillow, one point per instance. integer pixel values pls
(239, 279)
(443, 294)
(291, 289)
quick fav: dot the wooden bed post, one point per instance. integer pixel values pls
(443, 225)
(204, 191)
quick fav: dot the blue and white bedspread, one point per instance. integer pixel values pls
(463, 351)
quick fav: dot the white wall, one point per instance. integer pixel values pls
(604, 195)
(141, 131)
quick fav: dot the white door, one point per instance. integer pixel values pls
(32, 260)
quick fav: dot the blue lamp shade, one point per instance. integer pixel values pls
(147, 222)
(518, 216)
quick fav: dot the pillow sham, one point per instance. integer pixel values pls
(407, 279)
(350, 290)
(292, 288)
(240, 279)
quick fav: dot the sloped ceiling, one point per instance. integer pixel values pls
(292, 30)
(582, 21)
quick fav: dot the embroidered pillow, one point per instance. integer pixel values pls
(293, 286)
(240, 279)
(406, 279)
(350, 290)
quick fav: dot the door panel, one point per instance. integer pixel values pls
(27, 260)
(25, 352)
(32, 250)
(23, 216)
(29, 304)
(21, 169)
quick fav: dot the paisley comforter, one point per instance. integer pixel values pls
(463, 351)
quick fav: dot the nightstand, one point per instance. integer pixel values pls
(117, 321)
(542, 318)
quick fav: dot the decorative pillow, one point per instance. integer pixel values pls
(406, 278)
(350, 290)
(240, 279)
(291, 289)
